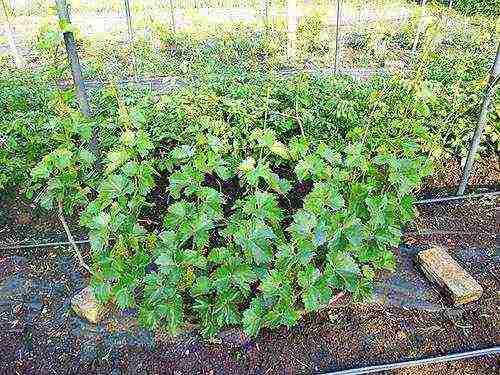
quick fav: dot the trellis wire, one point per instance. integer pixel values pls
(86, 241)
(38, 245)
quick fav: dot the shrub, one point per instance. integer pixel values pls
(489, 8)
(270, 195)
(24, 115)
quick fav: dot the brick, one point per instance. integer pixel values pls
(444, 271)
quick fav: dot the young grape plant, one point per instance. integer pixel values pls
(268, 197)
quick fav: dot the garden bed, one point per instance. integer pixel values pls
(221, 220)
(41, 334)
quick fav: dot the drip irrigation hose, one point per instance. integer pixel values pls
(426, 361)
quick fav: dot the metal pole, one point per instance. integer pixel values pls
(10, 35)
(129, 20)
(336, 58)
(172, 14)
(76, 69)
(483, 117)
(292, 28)
(131, 38)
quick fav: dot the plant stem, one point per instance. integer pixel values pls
(71, 239)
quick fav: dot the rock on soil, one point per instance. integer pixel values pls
(86, 306)
(448, 274)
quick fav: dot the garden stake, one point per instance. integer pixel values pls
(292, 28)
(172, 15)
(335, 62)
(265, 13)
(419, 27)
(483, 117)
(131, 39)
(129, 21)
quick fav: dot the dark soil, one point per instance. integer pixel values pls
(22, 222)
(444, 182)
(40, 334)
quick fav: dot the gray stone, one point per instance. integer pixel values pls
(233, 336)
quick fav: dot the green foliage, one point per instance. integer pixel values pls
(488, 8)
(312, 34)
(24, 116)
(238, 244)
(243, 197)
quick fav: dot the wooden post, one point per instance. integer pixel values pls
(419, 27)
(131, 38)
(129, 20)
(483, 117)
(292, 28)
(442, 269)
(76, 69)
(18, 59)
(336, 57)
